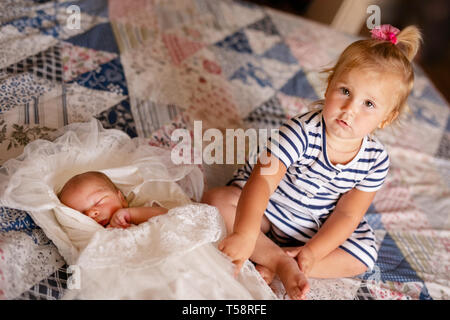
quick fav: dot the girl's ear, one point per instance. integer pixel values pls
(389, 119)
(122, 199)
(326, 91)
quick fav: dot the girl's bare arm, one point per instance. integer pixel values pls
(251, 206)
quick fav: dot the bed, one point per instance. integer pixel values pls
(151, 67)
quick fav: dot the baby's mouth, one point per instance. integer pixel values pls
(103, 222)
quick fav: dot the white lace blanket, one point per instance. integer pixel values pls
(168, 257)
(173, 256)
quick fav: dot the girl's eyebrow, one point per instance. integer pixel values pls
(371, 97)
(338, 83)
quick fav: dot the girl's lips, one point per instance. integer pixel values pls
(342, 123)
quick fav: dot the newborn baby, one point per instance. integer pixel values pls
(95, 195)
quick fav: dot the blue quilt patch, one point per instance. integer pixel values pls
(422, 112)
(119, 117)
(100, 37)
(374, 219)
(280, 52)
(256, 73)
(424, 295)
(299, 86)
(447, 127)
(269, 115)
(392, 265)
(16, 220)
(237, 41)
(266, 25)
(108, 77)
(46, 23)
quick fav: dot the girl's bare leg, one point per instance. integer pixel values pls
(344, 265)
(266, 252)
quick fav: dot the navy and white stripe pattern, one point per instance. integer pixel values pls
(309, 191)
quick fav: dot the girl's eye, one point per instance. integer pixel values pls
(369, 104)
(345, 91)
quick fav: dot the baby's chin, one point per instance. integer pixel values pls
(103, 222)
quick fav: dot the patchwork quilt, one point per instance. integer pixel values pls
(149, 67)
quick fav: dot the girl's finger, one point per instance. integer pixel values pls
(293, 252)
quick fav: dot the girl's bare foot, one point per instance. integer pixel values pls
(265, 273)
(294, 281)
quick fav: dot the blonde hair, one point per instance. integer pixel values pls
(384, 56)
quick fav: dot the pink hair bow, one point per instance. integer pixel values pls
(385, 32)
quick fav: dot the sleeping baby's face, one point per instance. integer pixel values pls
(94, 195)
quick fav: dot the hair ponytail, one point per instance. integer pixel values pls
(408, 41)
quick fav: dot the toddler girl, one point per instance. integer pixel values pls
(95, 195)
(328, 169)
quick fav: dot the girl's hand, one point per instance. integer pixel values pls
(239, 248)
(120, 219)
(305, 258)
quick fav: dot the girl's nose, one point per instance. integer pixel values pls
(349, 107)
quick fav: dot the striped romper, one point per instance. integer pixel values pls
(309, 191)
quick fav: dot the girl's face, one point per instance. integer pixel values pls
(357, 102)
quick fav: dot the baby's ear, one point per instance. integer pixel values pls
(122, 199)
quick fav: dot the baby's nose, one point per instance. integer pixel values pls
(92, 213)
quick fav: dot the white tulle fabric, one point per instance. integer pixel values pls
(173, 256)
(144, 172)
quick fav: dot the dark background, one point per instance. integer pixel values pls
(431, 16)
